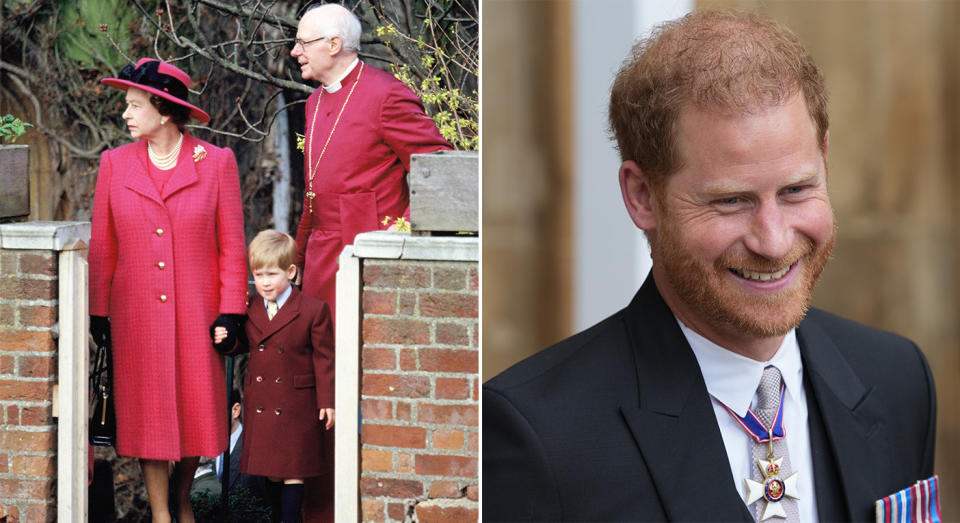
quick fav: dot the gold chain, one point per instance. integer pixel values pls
(313, 172)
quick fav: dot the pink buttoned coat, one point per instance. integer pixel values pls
(290, 376)
(162, 267)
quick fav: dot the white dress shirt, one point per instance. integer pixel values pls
(732, 380)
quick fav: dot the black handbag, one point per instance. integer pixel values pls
(103, 421)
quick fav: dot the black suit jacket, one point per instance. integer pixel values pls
(235, 462)
(616, 424)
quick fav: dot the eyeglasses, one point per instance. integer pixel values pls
(301, 43)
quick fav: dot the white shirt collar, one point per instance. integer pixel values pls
(286, 294)
(235, 436)
(335, 85)
(733, 379)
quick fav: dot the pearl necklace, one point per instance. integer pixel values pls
(167, 161)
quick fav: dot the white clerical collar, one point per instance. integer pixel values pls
(335, 86)
(733, 379)
(286, 294)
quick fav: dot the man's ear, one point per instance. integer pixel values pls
(336, 45)
(638, 196)
(291, 272)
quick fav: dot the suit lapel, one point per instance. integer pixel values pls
(235, 461)
(257, 318)
(853, 426)
(138, 180)
(185, 173)
(831, 501)
(674, 424)
(266, 327)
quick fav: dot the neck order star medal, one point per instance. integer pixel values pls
(773, 489)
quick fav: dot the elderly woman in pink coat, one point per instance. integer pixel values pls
(167, 261)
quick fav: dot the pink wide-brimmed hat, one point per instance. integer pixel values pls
(159, 78)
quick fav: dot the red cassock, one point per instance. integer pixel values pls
(289, 377)
(162, 267)
(361, 177)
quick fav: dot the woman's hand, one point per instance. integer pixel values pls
(219, 334)
(328, 415)
(229, 325)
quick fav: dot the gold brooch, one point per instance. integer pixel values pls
(199, 153)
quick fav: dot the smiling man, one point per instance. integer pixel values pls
(717, 393)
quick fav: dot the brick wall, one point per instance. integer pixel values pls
(419, 391)
(28, 366)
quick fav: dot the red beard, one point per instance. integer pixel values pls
(711, 293)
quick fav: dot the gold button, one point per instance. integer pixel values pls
(260, 346)
(259, 410)
(277, 412)
(163, 298)
(159, 232)
(161, 265)
(280, 350)
(278, 380)
(259, 379)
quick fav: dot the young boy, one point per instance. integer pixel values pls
(288, 411)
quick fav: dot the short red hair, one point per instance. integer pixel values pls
(719, 61)
(272, 248)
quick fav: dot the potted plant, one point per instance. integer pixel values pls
(14, 172)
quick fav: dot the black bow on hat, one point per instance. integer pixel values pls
(148, 75)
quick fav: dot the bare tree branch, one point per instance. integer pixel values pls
(238, 11)
(230, 66)
(233, 50)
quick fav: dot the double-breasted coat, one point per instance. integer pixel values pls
(368, 129)
(162, 267)
(290, 376)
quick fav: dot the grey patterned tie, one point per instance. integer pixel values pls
(774, 472)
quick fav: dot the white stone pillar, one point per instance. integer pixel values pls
(70, 395)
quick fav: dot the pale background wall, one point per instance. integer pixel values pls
(892, 70)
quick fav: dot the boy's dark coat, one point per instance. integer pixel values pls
(290, 376)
